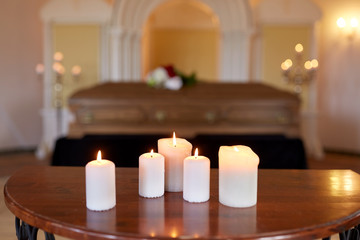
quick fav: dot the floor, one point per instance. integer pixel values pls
(10, 162)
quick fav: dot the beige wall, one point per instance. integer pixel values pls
(20, 89)
(80, 46)
(188, 50)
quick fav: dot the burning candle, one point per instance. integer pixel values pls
(151, 175)
(100, 184)
(238, 170)
(196, 178)
(175, 150)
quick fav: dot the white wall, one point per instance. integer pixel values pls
(20, 89)
(339, 78)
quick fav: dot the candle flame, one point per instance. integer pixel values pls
(99, 155)
(174, 233)
(236, 149)
(152, 152)
(174, 139)
(196, 153)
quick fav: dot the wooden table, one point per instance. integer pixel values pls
(292, 204)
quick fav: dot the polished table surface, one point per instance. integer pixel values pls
(292, 204)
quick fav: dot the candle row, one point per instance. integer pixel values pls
(173, 169)
(190, 175)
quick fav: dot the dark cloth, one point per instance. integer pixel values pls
(274, 151)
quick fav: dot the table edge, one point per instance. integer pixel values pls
(52, 226)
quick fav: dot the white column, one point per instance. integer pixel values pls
(136, 63)
(309, 115)
(241, 56)
(131, 55)
(115, 60)
(48, 59)
(225, 64)
(235, 56)
(127, 55)
(48, 122)
(256, 60)
(104, 53)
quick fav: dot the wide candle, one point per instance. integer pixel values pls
(238, 174)
(100, 184)
(151, 175)
(196, 178)
(175, 150)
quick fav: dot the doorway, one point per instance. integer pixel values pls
(185, 34)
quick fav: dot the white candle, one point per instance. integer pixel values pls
(196, 178)
(175, 150)
(100, 184)
(238, 170)
(151, 175)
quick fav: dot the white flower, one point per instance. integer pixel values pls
(157, 77)
(160, 74)
(174, 83)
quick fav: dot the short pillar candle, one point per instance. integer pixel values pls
(238, 176)
(175, 150)
(100, 184)
(151, 175)
(196, 178)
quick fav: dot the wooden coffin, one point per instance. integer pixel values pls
(206, 108)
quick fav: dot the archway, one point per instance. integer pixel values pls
(126, 32)
(185, 34)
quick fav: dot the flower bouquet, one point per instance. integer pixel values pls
(169, 78)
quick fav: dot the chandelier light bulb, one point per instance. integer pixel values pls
(307, 65)
(299, 48)
(58, 57)
(58, 68)
(76, 70)
(284, 67)
(354, 22)
(341, 22)
(288, 63)
(314, 63)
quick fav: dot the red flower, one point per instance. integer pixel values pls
(170, 71)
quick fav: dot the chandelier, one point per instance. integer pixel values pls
(297, 72)
(58, 84)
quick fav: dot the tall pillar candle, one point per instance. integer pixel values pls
(100, 184)
(238, 174)
(196, 178)
(151, 175)
(175, 150)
